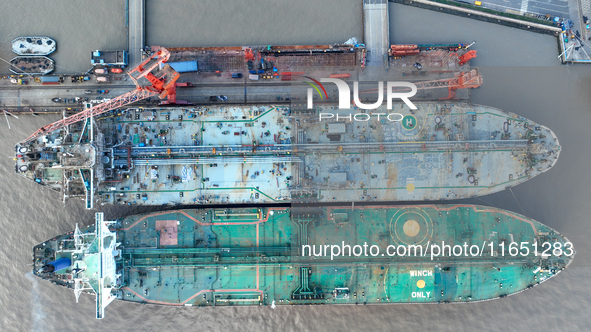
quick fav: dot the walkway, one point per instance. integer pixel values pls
(137, 29)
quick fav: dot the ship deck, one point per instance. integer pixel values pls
(33, 65)
(271, 154)
(33, 45)
(255, 256)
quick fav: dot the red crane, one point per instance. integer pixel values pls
(463, 80)
(471, 79)
(161, 76)
(467, 57)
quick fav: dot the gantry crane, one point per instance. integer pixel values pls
(161, 76)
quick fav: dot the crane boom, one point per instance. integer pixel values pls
(463, 80)
(126, 99)
(161, 76)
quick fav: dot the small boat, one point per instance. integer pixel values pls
(33, 45)
(32, 65)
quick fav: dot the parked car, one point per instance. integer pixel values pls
(237, 75)
(223, 98)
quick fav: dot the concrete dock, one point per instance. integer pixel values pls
(376, 30)
(137, 28)
(574, 42)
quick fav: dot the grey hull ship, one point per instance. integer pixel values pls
(278, 154)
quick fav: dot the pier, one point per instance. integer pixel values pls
(376, 30)
(137, 27)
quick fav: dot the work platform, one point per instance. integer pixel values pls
(276, 59)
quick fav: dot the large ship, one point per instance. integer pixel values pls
(313, 255)
(283, 154)
(31, 65)
(33, 45)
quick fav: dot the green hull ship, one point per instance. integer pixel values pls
(309, 255)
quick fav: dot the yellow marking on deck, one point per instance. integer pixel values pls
(421, 283)
(411, 228)
(410, 187)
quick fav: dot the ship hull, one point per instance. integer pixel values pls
(33, 46)
(280, 256)
(31, 65)
(268, 154)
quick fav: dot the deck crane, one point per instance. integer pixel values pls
(154, 69)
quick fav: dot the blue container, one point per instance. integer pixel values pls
(61, 263)
(184, 66)
(49, 79)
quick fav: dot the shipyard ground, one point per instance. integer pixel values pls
(217, 65)
(31, 100)
(576, 45)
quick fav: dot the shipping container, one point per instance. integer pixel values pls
(184, 66)
(49, 79)
(292, 73)
(340, 76)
